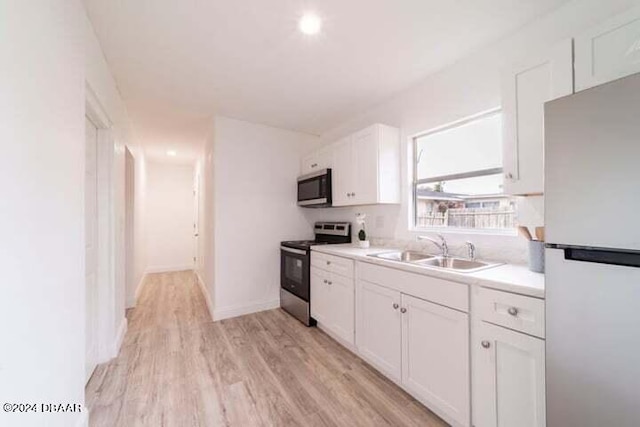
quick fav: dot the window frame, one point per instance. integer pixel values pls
(482, 172)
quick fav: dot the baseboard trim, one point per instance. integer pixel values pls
(122, 331)
(229, 312)
(205, 293)
(168, 269)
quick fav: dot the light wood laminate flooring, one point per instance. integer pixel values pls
(178, 368)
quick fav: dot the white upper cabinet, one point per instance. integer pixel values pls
(608, 51)
(316, 161)
(525, 88)
(366, 167)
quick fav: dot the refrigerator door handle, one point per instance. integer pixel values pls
(626, 258)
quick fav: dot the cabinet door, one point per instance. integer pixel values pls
(365, 165)
(508, 378)
(609, 51)
(379, 328)
(342, 306)
(525, 89)
(342, 173)
(320, 308)
(435, 358)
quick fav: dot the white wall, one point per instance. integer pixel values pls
(169, 209)
(468, 87)
(41, 208)
(254, 208)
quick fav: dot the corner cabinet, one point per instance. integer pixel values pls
(608, 51)
(366, 167)
(525, 88)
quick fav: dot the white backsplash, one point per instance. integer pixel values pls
(386, 228)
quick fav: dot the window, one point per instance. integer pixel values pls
(458, 176)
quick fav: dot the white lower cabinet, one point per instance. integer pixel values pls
(435, 357)
(421, 345)
(332, 303)
(379, 330)
(508, 378)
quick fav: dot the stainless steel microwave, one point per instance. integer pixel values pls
(314, 189)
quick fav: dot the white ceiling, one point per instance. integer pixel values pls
(178, 62)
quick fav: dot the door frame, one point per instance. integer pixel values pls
(106, 218)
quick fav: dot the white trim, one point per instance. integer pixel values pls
(139, 289)
(241, 310)
(168, 269)
(205, 293)
(122, 331)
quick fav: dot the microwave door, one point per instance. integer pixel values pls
(315, 189)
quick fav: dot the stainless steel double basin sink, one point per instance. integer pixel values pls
(420, 259)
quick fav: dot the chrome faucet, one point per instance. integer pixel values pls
(442, 244)
(471, 251)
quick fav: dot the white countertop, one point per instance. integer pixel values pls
(507, 277)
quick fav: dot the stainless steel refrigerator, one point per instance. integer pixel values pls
(592, 218)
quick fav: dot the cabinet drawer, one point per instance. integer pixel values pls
(333, 264)
(444, 292)
(524, 314)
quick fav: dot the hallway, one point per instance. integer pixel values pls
(177, 368)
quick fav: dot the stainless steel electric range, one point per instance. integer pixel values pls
(295, 268)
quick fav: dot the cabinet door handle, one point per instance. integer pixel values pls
(348, 194)
(513, 311)
(403, 310)
(330, 282)
(508, 175)
(325, 280)
(395, 306)
(485, 344)
(314, 165)
(353, 194)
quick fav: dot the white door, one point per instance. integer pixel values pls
(342, 316)
(525, 89)
(342, 173)
(608, 51)
(435, 358)
(320, 296)
(365, 165)
(129, 227)
(91, 247)
(379, 328)
(508, 377)
(196, 221)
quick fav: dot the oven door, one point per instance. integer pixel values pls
(294, 271)
(314, 190)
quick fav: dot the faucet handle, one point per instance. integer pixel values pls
(471, 250)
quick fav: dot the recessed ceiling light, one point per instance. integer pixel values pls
(171, 153)
(310, 24)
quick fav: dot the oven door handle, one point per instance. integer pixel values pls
(293, 251)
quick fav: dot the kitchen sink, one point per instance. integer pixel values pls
(421, 259)
(455, 264)
(403, 256)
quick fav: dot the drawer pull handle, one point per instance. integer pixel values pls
(328, 262)
(485, 344)
(395, 306)
(403, 310)
(512, 311)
